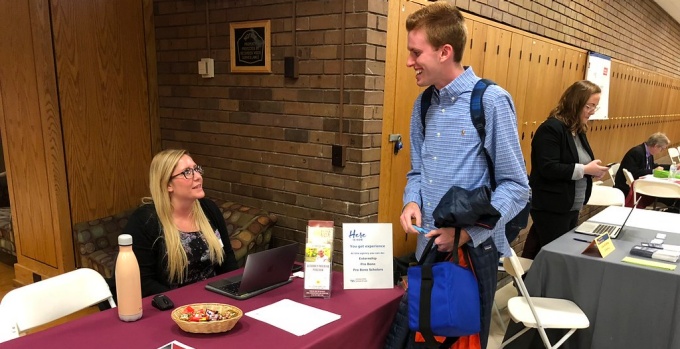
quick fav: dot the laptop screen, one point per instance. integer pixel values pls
(616, 235)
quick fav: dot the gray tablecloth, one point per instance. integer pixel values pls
(629, 306)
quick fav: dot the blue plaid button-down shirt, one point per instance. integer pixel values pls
(449, 154)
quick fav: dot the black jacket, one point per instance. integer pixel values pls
(149, 246)
(637, 162)
(553, 158)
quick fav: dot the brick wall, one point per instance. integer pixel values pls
(265, 140)
(638, 32)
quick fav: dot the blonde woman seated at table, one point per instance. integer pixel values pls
(179, 237)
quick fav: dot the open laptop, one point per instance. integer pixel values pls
(264, 271)
(597, 229)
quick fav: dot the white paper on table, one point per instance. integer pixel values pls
(293, 317)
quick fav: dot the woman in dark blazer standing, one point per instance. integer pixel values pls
(562, 166)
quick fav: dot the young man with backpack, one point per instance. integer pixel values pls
(446, 148)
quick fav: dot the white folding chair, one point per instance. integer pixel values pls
(612, 172)
(656, 188)
(541, 313)
(7, 331)
(606, 196)
(526, 264)
(36, 304)
(674, 154)
(629, 177)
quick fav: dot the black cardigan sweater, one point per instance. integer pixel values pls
(553, 158)
(149, 246)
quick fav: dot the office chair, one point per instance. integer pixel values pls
(541, 313)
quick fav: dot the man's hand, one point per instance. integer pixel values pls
(446, 236)
(410, 211)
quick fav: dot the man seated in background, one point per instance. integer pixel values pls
(639, 160)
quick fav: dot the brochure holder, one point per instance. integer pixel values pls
(319, 259)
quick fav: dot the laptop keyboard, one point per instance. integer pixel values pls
(611, 229)
(231, 288)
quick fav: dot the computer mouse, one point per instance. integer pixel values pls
(162, 302)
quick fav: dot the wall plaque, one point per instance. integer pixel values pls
(250, 46)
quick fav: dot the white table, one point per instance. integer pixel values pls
(641, 218)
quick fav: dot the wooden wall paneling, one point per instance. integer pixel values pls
(621, 144)
(674, 97)
(477, 46)
(568, 67)
(641, 98)
(635, 92)
(537, 107)
(581, 66)
(467, 53)
(556, 66)
(152, 75)
(627, 103)
(615, 91)
(497, 55)
(101, 64)
(400, 93)
(615, 153)
(52, 135)
(646, 98)
(516, 77)
(625, 100)
(664, 95)
(30, 132)
(659, 93)
(670, 99)
(554, 74)
(656, 101)
(523, 64)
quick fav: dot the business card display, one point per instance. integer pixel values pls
(367, 255)
(319, 259)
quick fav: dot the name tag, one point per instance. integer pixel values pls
(601, 246)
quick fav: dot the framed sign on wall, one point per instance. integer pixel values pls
(250, 46)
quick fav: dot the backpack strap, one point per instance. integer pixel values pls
(479, 121)
(425, 102)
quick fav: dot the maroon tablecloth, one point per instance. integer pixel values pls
(365, 319)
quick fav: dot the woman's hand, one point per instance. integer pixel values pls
(595, 169)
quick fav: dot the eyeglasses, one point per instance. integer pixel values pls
(594, 107)
(189, 172)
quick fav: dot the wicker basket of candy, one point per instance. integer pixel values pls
(206, 317)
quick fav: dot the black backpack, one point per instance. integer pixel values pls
(521, 220)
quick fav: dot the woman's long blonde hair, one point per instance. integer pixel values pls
(162, 166)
